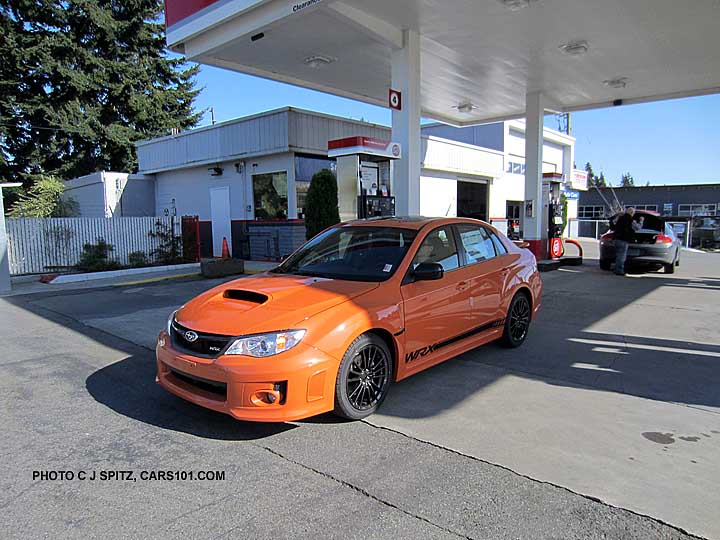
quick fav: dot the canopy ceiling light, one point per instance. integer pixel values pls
(465, 108)
(575, 48)
(317, 61)
(516, 5)
(617, 82)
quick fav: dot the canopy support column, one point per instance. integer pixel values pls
(406, 124)
(535, 204)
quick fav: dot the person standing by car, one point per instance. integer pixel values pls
(624, 233)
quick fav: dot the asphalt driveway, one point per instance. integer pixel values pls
(605, 424)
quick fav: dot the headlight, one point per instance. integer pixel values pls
(263, 345)
(170, 320)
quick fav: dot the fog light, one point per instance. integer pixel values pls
(271, 397)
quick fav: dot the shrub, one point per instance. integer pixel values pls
(321, 206)
(95, 257)
(138, 259)
(169, 248)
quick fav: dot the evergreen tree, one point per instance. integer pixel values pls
(627, 180)
(81, 81)
(321, 205)
(592, 180)
(590, 174)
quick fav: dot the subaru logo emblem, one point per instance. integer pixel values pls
(190, 336)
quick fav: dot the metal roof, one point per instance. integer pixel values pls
(580, 53)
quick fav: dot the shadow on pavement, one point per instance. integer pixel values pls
(661, 370)
(128, 388)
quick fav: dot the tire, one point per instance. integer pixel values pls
(517, 322)
(359, 393)
(669, 268)
(605, 264)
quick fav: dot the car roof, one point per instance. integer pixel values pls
(409, 222)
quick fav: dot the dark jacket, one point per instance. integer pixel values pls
(623, 228)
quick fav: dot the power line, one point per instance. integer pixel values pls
(43, 128)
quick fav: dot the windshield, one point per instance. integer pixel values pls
(352, 253)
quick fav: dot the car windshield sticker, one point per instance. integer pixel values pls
(387, 268)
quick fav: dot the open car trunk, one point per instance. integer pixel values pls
(652, 227)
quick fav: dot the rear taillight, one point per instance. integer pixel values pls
(663, 239)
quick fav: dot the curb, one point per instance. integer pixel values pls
(75, 278)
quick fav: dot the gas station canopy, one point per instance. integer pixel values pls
(478, 58)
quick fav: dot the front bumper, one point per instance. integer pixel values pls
(295, 384)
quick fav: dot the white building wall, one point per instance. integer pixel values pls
(310, 132)
(258, 134)
(553, 153)
(438, 194)
(88, 192)
(190, 188)
(452, 156)
(115, 184)
(510, 187)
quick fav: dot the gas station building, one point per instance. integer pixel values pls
(246, 179)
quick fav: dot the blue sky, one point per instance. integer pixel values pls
(670, 142)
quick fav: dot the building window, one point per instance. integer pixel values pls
(697, 210)
(270, 193)
(647, 207)
(591, 212)
(514, 167)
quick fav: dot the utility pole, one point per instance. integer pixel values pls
(563, 120)
(212, 115)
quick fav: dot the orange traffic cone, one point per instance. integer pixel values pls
(225, 249)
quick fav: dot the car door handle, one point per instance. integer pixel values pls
(462, 286)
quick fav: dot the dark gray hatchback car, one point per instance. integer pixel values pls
(655, 245)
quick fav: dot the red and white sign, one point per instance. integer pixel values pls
(364, 145)
(579, 180)
(395, 100)
(177, 10)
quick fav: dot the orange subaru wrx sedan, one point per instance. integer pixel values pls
(360, 305)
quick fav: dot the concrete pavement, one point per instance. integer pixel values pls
(494, 444)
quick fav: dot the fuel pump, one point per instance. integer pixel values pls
(364, 176)
(554, 219)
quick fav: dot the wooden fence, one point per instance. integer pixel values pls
(37, 245)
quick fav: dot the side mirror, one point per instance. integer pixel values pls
(428, 271)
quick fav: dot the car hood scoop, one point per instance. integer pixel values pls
(251, 297)
(266, 302)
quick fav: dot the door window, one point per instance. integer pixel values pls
(477, 243)
(438, 247)
(500, 248)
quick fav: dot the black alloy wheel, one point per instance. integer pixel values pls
(363, 378)
(517, 322)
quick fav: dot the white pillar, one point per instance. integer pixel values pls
(5, 284)
(406, 124)
(532, 225)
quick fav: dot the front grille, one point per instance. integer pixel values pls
(206, 345)
(214, 387)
